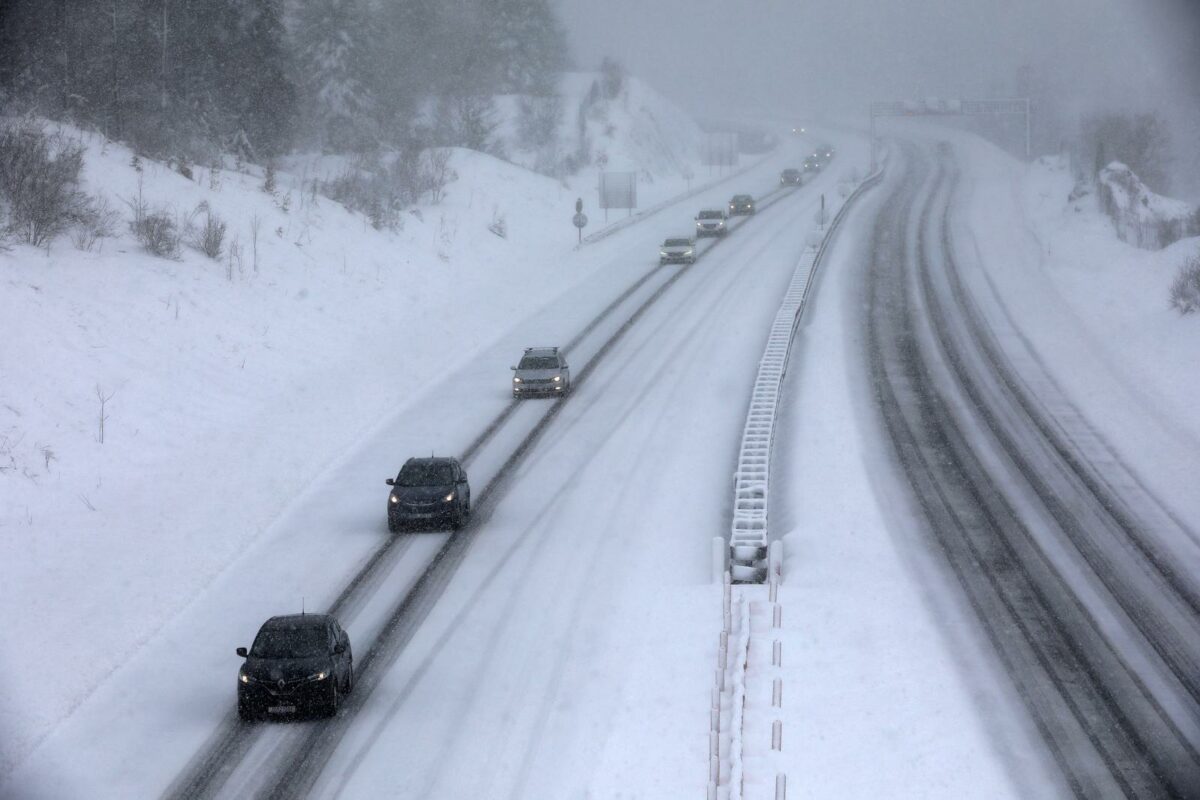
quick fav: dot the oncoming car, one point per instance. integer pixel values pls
(741, 204)
(711, 222)
(790, 177)
(298, 663)
(542, 370)
(429, 490)
(677, 251)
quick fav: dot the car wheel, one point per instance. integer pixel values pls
(335, 700)
(246, 711)
(392, 526)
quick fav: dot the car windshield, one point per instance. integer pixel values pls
(538, 362)
(437, 474)
(298, 642)
(677, 243)
(710, 215)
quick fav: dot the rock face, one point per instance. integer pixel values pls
(1143, 218)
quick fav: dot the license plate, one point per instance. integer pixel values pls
(280, 709)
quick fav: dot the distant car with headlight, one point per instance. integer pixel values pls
(298, 663)
(791, 177)
(741, 204)
(677, 251)
(711, 222)
(541, 371)
(429, 491)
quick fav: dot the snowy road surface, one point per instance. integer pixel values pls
(972, 606)
(1072, 583)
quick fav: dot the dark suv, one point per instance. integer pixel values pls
(432, 490)
(790, 177)
(297, 663)
(542, 370)
(741, 204)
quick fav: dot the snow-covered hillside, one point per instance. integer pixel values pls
(1142, 217)
(638, 130)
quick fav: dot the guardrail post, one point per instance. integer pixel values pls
(719, 549)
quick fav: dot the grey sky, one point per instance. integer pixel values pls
(718, 56)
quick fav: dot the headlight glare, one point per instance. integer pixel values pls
(448, 497)
(243, 677)
(393, 498)
(516, 380)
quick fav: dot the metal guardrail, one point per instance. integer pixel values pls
(748, 542)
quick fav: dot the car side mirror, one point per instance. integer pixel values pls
(339, 648)
(390, 481)
(514, 369)
(241, 651)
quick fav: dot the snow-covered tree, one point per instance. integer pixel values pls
(332, 58)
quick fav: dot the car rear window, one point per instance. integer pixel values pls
(426, 475)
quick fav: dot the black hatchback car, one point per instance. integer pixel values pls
(298, 663)
(429, 490)
(741, 204)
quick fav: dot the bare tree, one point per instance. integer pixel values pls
(255, 227)
(103, 398)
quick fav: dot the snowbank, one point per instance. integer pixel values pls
(1143, 218)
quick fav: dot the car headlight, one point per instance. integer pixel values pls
(687, 252)
(320, 676)
(662, 253)
(243, 677)
(393, 498)
(516, 379)
(448, 498)
(558, 378)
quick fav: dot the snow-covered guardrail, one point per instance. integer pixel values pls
(749, 556)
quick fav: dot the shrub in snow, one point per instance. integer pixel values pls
(614, 77)
(98, 222)
(39, 181)
(209, 237)
(1185, 289)
(157, 232)
(499, 225)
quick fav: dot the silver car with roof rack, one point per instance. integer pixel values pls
(541, 371)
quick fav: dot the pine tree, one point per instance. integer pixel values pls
(526, 43)
(332, 62)
(255, 87)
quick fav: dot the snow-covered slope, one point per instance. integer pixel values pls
(1141, 217)
(638, 130)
